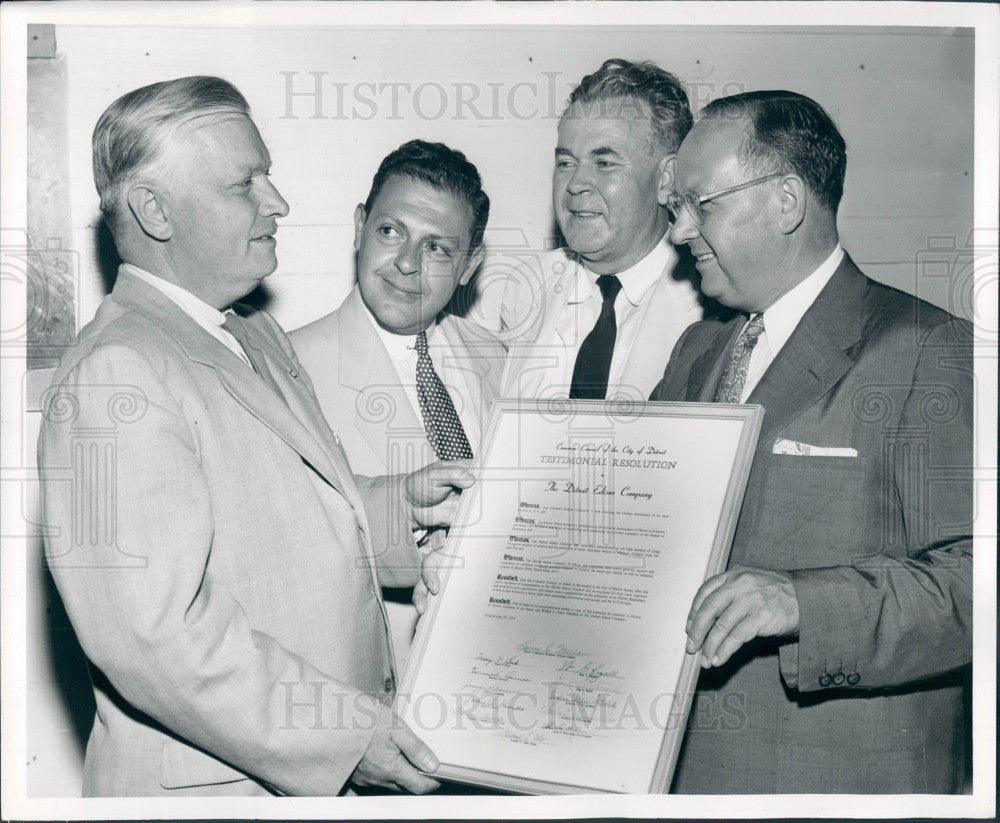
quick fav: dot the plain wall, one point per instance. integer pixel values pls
(902, 98)
(904, 101)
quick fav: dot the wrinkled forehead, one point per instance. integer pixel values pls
(708, 157)
(225, 136)
(198, 125)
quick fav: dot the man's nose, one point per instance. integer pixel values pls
(684, 229)
(272, 204)
(408, 258)
(579, 181)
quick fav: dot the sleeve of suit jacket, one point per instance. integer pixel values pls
(174, 642)
(892, 620)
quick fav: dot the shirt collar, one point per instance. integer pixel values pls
(198, 309)
(636, 280)
(781, 318)
(398, 346)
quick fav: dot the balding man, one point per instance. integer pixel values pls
(834, 644)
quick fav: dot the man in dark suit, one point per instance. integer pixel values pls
(833, 646)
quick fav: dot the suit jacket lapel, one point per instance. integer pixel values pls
(336, 469)
(814, 358)
(365, 368)
(242, 384)
(667, 308)
(479, 367)
(305, 409)
(538, 306)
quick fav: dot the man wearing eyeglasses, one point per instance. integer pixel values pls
(834, 645)
(599, 318)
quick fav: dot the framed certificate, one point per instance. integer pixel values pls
(553, 660)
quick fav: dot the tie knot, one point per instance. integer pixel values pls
(753, 329)
(234, 325)
(422, 343)
(610, 285)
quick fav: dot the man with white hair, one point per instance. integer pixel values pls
(219, 561)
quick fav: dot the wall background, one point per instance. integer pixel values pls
(903, 99)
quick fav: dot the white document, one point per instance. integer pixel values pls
(555, 651)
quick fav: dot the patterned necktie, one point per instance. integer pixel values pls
(444, 429)
(593, 362)
(730, 388)
(237, 328)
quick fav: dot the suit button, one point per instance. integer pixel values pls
(838, 678)
(293, 372)
(388, 684)
(853, 679)
(825, 680)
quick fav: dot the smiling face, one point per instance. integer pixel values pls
(222, 210)
(413, 252)
(738, 247)
(608, 184)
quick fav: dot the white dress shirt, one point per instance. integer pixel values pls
(583, 307)
(781, 318)
(206, 316)
(402, 351)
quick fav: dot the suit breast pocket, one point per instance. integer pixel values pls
(812, 512)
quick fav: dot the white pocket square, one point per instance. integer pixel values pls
(782, 446)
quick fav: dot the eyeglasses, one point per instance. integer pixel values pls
(692, 202)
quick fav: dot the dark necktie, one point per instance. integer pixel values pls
(593, 362)
(444, 429)
(734, 378)
(237, 328)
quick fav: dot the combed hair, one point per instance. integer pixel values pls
(789, 131)
(661, 91)
(132, 135)
(442, 168)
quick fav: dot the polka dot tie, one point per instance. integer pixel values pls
(734, 378)
(444, 429)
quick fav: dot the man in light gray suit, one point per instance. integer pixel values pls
(220, 562)
(418, 237)
(598, 318)
(834, 644)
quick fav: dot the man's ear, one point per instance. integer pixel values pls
(359, 224)
(666, 171)
(151, 212)
(473, 263)
(793, 197)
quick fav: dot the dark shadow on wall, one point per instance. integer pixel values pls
(107, 256)
(67, 663)
(260, 298)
